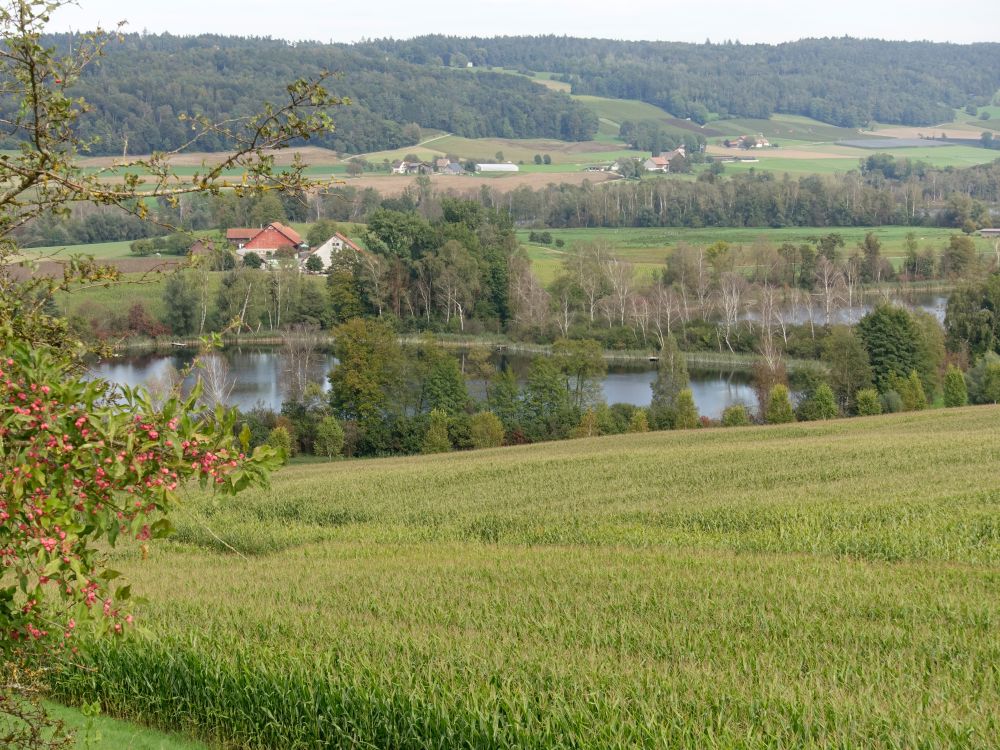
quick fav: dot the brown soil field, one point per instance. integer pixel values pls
(396, 184)
(54, 269)
(951, 130)
(312, 155)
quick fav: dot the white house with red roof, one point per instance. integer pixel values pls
(333, 249)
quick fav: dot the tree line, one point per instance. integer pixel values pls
(907, 194)
(844, 81)
(884, 190)
(384, 399)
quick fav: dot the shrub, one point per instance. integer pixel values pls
(486, 430)
(436, 440)
(892, 402)
(252, 260)
(587, 427)
(639, 422)
(329, 438)
(821, 405)
(867, 403)
(779, 406)
(955, 392)
(735, 416)
(281, 440)
(983, 379)
(686, 414)
(910, 390)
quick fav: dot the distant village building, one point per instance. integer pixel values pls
(412, 167)
(661, 163)
(332, 249)
(240, 237)
(991, 232)
(748, 142)
(266, 241)
(497, 168)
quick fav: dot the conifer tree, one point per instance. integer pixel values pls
(955, 391)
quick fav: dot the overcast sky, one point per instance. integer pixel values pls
(747, 21)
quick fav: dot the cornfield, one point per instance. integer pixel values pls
(830, 585)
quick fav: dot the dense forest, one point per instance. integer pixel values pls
(145, 82)
(847, 82)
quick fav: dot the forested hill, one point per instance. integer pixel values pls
(143, 83)
(146, 81)
(843, 81)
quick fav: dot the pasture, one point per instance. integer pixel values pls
(812, 586)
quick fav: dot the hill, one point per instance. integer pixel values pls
(146, 81)
(846, 82)
(816, 585)
(398, 88)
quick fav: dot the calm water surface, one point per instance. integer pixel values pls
(257, 377)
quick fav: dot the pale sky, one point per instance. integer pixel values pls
(745, 20)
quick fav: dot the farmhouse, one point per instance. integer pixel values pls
(991, 232)
(267, 241)
(412, 167)
(497, 168)
(332, 249)
(240, 237)
(661, 163)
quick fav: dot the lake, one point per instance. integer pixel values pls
(257, 377)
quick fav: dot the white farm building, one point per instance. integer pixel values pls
(497, 168)
(333, 248)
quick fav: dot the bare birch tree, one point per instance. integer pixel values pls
(732, 287)
(216, 382)
(300, 357)
(830, 285)
(621, 277)
(665, 309)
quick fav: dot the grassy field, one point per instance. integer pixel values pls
(649, 248)
(840, 159)
(809, 586)
(781, 128)
(104, 733)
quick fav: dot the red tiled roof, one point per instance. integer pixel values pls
(241, 234)
(290, 233)
(348, 242)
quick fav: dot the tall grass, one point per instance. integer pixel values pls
(829, 585)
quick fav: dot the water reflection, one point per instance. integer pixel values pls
(257, 375)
